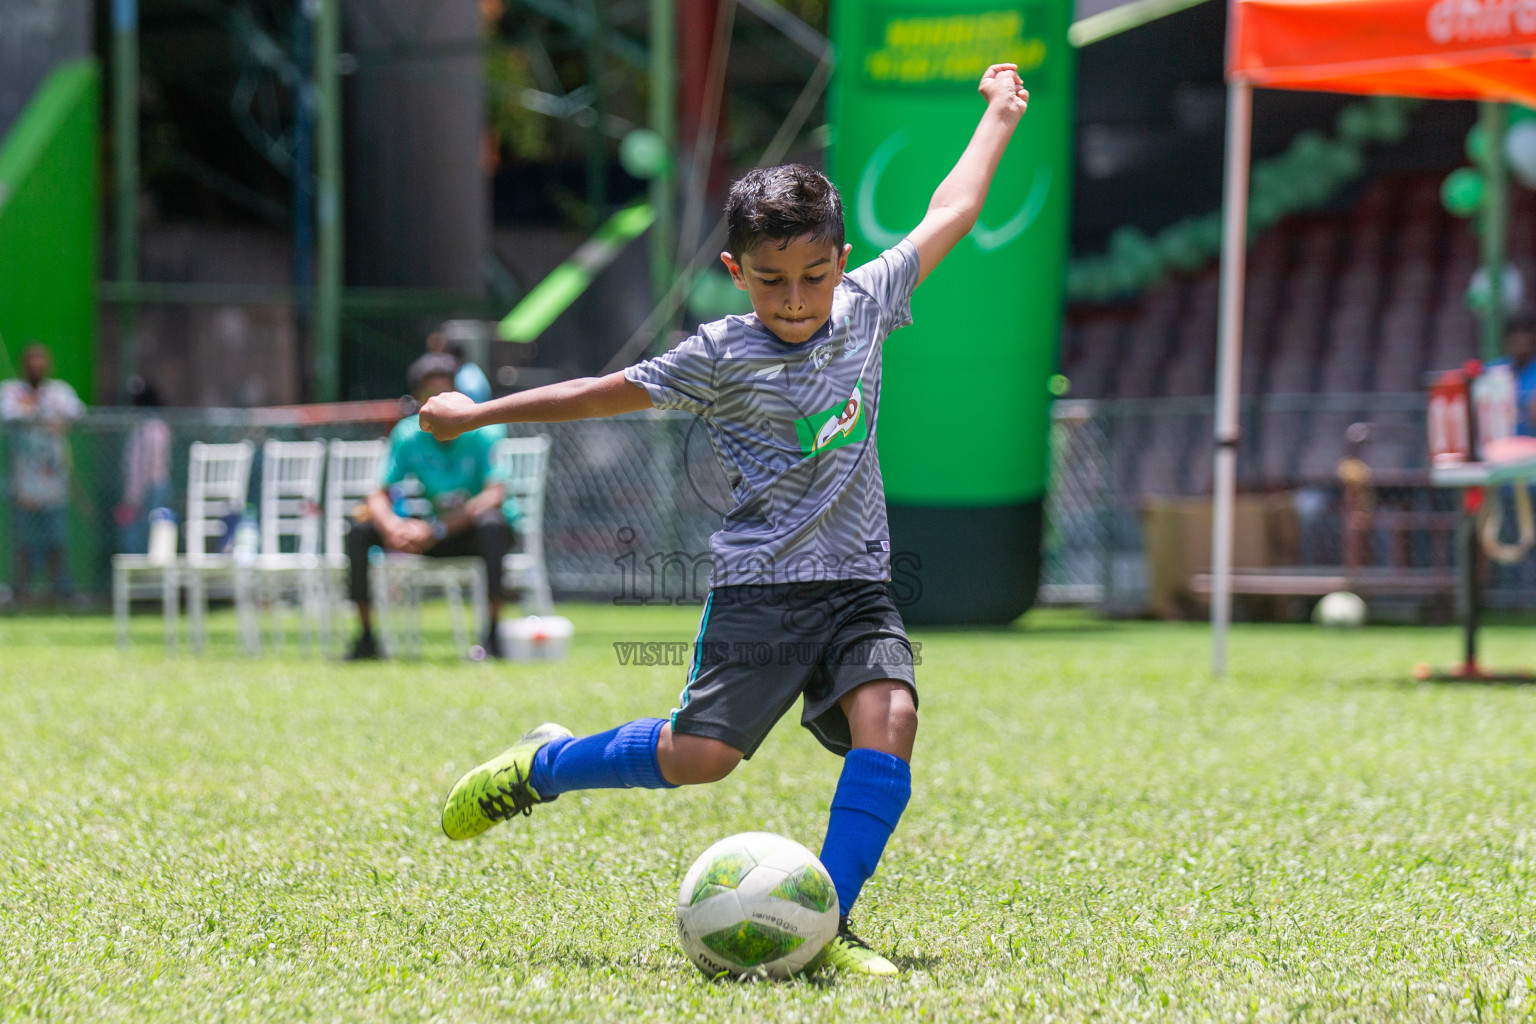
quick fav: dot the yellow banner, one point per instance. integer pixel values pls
(952, 49)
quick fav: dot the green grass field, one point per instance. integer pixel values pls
(1098, 830)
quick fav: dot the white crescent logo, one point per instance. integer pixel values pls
(986, 238)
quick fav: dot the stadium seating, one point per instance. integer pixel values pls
(1362, 302)
(1346, 313)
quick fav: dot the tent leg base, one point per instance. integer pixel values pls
(1471, 672)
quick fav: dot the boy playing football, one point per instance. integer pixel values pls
(803, 558)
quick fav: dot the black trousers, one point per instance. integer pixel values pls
(489, 538)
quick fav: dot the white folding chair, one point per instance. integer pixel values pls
(217, 478)
(524, 463)
(352, 473)
(398, 582)
(218, 481)
(135, 576)
(289, 557)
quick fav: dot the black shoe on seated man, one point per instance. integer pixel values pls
(364, 648)
(492, 642)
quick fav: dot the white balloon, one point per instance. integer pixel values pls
(1520, 152)
(1513, 288)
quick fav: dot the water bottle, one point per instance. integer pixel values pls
(247, 538)
(162, 536)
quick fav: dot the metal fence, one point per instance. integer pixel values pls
(631, 501)
(1115, 463)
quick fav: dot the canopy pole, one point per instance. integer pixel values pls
(1229, 355)
(1495, 226)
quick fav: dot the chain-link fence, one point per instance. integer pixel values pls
(631, 501)
(1131, 479)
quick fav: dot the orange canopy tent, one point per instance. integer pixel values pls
(1434, 49)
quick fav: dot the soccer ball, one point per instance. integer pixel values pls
(756, 904)
(1340, 610)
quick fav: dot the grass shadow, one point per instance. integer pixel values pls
(922, 962)
(586, 961)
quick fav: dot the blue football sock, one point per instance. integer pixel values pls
(871, 794)
(617, 759)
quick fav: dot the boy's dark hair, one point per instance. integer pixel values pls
(433, 364)
(780, 204)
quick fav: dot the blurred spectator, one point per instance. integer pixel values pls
(1520, 347)
(40, 466)
(468, 378)
(464, 511)
(146, 471)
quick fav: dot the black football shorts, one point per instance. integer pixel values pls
(760, 647)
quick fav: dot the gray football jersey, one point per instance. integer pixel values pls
(793, 428)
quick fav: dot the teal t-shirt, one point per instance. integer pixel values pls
(449, 472)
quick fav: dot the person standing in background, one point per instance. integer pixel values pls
(1520, 348)
(43, 408)
(146, 471)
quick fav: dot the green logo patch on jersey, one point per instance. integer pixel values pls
(842, 424)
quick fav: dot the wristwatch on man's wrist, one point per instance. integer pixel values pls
(439, 529)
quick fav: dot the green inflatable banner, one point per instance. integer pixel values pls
(965, 424)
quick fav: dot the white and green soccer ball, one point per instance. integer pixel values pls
(756, 904)
(1340, 610)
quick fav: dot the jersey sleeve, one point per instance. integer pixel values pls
(890, 279)
(682, 378)
(396, 461)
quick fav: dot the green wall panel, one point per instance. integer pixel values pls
(966, 406)
(48, 233)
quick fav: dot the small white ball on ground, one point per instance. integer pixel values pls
(1340, 610)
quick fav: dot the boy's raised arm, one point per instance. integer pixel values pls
(450, 414)
(957, 202)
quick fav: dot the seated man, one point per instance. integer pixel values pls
(467, 501)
